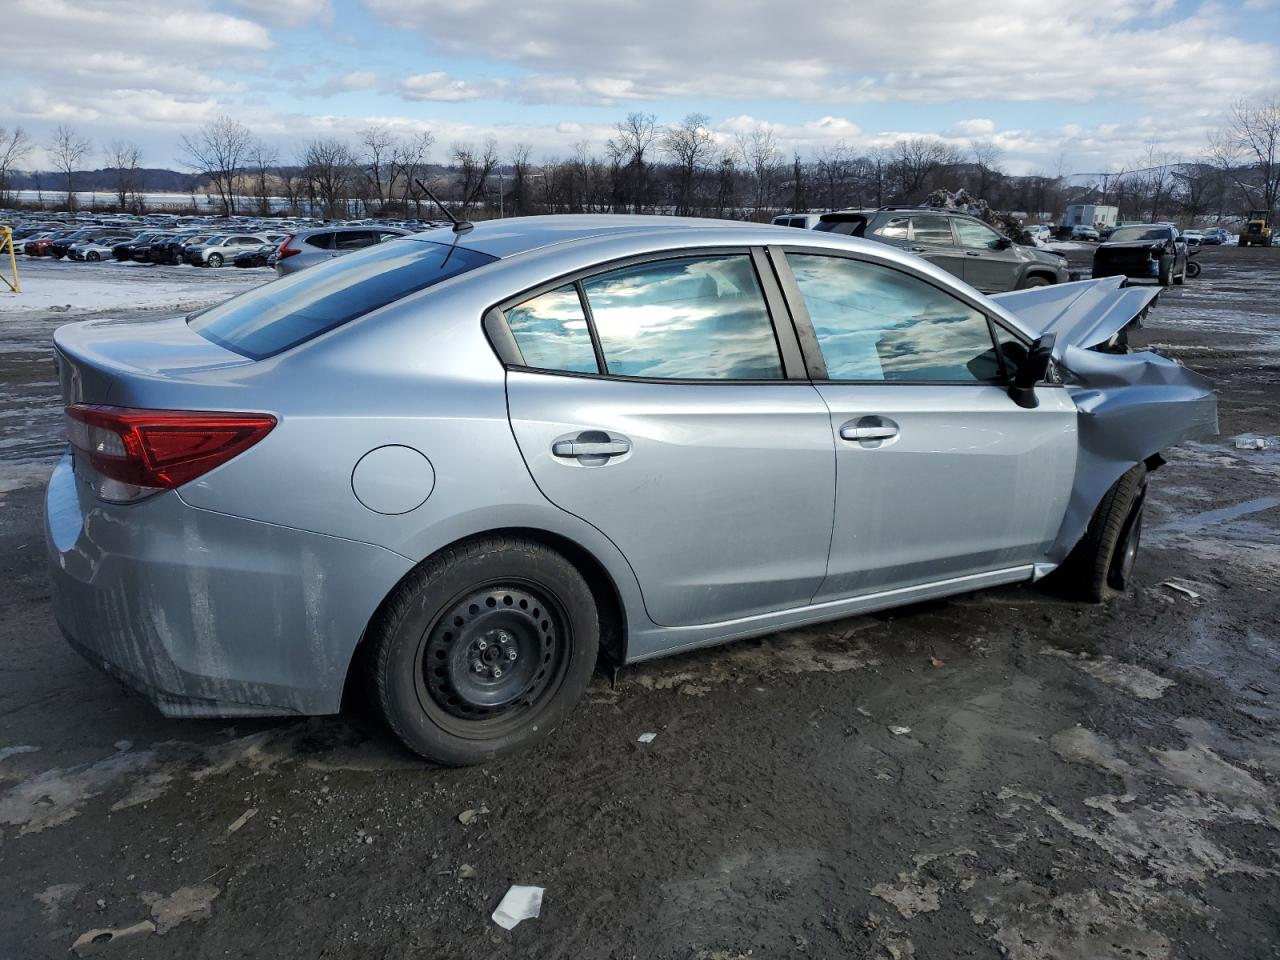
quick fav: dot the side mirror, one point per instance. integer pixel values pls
(1031, 371)
(1003, 243)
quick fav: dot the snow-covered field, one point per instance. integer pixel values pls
(70, 287)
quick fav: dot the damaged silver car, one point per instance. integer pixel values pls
(463, 466)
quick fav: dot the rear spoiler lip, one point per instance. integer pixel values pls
(1083, 313)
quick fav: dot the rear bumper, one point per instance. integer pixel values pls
(207, 614)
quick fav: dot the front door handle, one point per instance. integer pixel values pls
(972, 253)
(870, 431)
(590, 448)
(918, 249)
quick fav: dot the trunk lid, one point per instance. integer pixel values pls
(109, 361)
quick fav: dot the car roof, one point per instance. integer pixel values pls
(516, 235)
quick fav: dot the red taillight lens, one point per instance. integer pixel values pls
(160, 449)
(286, 250)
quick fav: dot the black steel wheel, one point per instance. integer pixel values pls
(492, 654)
(483, 650)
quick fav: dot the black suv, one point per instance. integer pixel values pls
(956, 242)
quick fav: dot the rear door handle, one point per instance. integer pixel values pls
(867, 433)
(972, 253)
(918, 249)
(870, 432)
(590, 448)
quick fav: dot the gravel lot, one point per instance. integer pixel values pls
(1077, 782)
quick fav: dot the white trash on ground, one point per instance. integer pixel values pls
(646, 738)
(520, 903)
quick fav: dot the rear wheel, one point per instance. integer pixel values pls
(1101, 565)
(483, 650)
(1193, 269)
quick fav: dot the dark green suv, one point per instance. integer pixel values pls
(958, 243)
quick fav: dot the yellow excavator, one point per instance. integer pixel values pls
(1257, 232)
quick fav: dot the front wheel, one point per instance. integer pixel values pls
(1101, 565)
(483, 650)
(93, 256)
(1166, 271)
(215, 260)
(1030, 282)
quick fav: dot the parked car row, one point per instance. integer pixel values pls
(287, 245)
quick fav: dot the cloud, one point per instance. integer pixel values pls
(1011, 50)
(287, 13)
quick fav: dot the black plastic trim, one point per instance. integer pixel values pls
(784, 329)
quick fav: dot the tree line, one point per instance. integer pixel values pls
(682, 168)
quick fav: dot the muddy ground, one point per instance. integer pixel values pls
(1077, 781)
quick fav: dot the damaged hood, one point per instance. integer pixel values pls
(1081, 314)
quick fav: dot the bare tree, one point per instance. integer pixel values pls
(68, 150)
(520, 173)
(328, 164)
(408, 164)
(917, 160)
(123, 161)
(261, 158)
(15, 146)
(986, 157)
(474, 170)
(635, 136)
(218, 151)
(758, 150)
(1254, 129)
(378, 145)
(689, 144)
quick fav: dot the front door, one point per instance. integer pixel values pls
(939, 474)
(651, 402)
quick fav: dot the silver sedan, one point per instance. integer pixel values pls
(466, 465)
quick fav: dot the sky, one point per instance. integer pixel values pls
(1057, 87)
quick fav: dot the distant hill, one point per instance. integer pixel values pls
(154, 180)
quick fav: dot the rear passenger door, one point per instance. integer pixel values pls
(656, 401)
(939, 474)
(931, 238)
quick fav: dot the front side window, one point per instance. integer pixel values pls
(879, 324)
(551, 332)
(694, 318)
(976, 235)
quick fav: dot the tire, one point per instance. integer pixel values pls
(215, 260)
(483, 650)
(1101, 565)
(1030, 282)
(1166, 271)
(1193, 269)
(93, 256)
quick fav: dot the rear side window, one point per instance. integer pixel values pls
(323, 241)
(551, 332)
(353, 239)
(895, 229)
(276, 316)
(693, 318)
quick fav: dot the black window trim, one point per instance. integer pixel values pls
(809, 338)
(503, 341)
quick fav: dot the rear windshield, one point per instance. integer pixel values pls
(286, 312)
(1131, 234)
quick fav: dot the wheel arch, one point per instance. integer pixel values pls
(604, 590)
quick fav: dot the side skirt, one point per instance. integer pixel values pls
(650, 642)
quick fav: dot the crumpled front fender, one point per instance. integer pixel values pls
(1131, 406)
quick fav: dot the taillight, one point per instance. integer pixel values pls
(286, 250)
(140, 452)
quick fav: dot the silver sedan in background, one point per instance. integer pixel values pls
(309, 247)
(464, 465)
